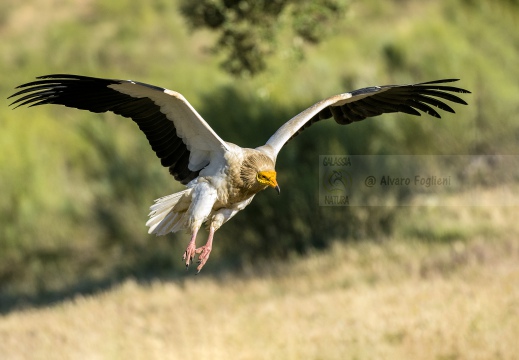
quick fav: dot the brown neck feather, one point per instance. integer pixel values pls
(250, 167)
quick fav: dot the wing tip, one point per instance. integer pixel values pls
(448, 88)
(440, 81)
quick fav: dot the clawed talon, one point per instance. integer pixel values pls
(189, 254)
(204, 252)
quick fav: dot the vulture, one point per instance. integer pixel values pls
(221, 178)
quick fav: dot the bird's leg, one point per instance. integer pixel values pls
(189, 254)
(205, 250)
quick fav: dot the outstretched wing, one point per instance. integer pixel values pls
(372, 101)
(179, 136)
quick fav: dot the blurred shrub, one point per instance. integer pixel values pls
(248, 29)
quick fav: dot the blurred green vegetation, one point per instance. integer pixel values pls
(76, 186)
(248, 29)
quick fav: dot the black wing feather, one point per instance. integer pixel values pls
(93, 94)
(377, 100)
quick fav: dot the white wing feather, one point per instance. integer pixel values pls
(285, 132)
(199, 137)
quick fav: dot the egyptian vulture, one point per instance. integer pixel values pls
(221, 178)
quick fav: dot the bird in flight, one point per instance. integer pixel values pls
(221, 178)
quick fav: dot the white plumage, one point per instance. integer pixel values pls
(221, 178)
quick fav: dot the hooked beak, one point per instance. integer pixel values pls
(273, 183)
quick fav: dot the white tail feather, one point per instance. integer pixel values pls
(164, 226)
(164, 218)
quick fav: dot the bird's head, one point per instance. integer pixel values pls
(268, 177)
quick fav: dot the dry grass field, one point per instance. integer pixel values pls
(401, 298)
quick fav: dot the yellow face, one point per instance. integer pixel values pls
(268, 178)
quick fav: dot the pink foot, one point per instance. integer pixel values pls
(204, 252)
(189, 254)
